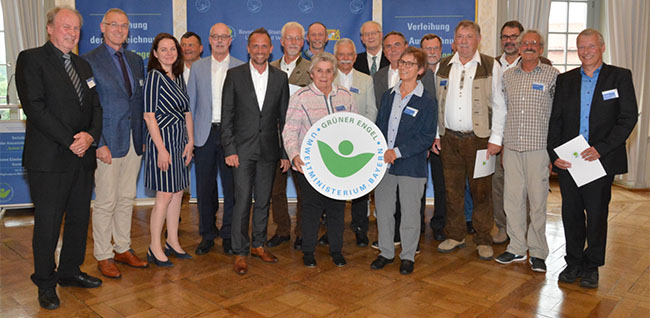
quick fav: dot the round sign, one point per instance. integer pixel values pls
(343, 155)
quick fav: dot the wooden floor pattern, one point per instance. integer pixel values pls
(457, 284)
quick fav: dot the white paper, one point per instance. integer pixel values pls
(483, 167)
(293, 89)
(581, 171)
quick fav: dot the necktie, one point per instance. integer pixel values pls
(125, 73)
(373, 68)
(74, 77)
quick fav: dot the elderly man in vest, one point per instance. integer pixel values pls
(472, 116)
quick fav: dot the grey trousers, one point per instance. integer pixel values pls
(497, 194)
(410, 195)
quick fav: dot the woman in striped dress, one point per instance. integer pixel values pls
(169, 144)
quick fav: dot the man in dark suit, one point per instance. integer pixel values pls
(119, 75)
(255, 100)
(598, 102)
(394, 44)
(370, 61)
(64, 123)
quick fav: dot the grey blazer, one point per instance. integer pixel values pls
(380, 80)
(364, 94)
(199, 89)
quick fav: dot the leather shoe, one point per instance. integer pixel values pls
(47, 298)
(570, 274)
(277, 240)
(439, 236)
(169, 250)
(338, 259)
(470, 227)
(297, 245)
(362, 239)
(204, 247)
(129, 258)
(589, 279)
(406, 267)
(380, 262)
(82, 280)
(324, 240)
(227, 247)
(309, 260)
(108, 268)
(263, 255)
(240, 265)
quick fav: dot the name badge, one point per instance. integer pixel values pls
(538, 86)
(339, 108)
(141, 83)
(354, 90)
(90, 82)
(410, 111)
(443, 82)
(610, 94)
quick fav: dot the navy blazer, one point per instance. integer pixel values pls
(610, 121)
(122, 114)
(415, 134)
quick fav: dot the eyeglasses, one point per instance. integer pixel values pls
(512, 37)
(222, 37)
(408, 64)
(293, 38)
(115, 25)
(528, 43)
(367, 34)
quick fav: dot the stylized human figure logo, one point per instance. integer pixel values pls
(340, 165)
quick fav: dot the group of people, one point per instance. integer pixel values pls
(90, 119)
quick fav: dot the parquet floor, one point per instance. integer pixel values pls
(457, 284)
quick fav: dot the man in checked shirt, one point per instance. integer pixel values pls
(528, 88)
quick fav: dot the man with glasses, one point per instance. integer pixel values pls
(372, 59)
(205, 91)
(119, 78)
(317, 38)
(472, 115)
(297, 69)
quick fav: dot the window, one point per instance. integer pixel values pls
(566, 19)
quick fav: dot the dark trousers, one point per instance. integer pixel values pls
(359, 211)
(210, 162)
(252, 178)
(593, 198)
(458, 157)
(54, 195)
(279, 204)
(437, 222)
(313, 205)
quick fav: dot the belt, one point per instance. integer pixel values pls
(461, 134)
(216, 124)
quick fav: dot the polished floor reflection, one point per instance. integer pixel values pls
(456, 284)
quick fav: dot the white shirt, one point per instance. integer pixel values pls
(186, 73)
(345, 80)
(393, 76)
(369, 58)
(218, 70)
(504, 62)
(288, 68)
(260, 81)
(458, 108)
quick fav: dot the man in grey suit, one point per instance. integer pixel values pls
(255, 100)
(205, 91)
(119, 76)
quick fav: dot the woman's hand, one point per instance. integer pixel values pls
(164, 159)
(188, 153)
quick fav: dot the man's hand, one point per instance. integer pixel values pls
(492, 150)
(298, 163)
(81, 143)
(104, 154)
(164, 159)
(562, 164)
(590, 154)
(232, 161)
(188, 153)
(390, 156)
(436, 146)
(285, 165)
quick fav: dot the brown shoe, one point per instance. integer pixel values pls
(129, 258)
(263, 255)
(240, 265)
(108, 268)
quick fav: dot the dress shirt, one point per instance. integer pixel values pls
(218, 70)
(529, 98)
(186, 73)
(288, 68)
(369, 59)
(586, 96)
(116, 60)
(504, 63)
(396, 111)
(393, 77)
(260, 81)
(345, 80)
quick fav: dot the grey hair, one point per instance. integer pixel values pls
(541, 37)
(344, 41)
(590, 32)
(53, 12)
(114, 10)
(370, 22)
(323, 57)
(292, 24)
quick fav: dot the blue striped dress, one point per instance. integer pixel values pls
(168, 99)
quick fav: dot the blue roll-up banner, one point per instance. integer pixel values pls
(13, 178)
(343, 19)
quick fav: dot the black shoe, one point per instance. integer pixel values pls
(297, 245)
(324, 240)
(152, 259)
(589, 279)
(406, 267)
(338, 259)
(439, 235)
(362, 239)
(417, 250)
(47, 298)
(82, 280)
(170, 251)
(380, 262)
(470, 228)
(204, 247)
(277, 240)
(570, 274)
(309, 260)
(537, 265)
(227, 247)
(375, 245)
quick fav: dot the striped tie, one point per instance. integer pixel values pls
(74, 77)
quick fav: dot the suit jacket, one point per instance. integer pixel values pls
(245, 130)
(361, 64)
(364, 94)
(199, 89)
(415, 134)
(610, 121)
(54, 112)
(300, 75)
(122, 114)
(380, 81)
(429, 82)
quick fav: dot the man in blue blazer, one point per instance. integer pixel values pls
(205, 91)
(598, 102)
(119, 75)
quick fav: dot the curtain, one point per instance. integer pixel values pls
(533, 14)
(629, 26)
